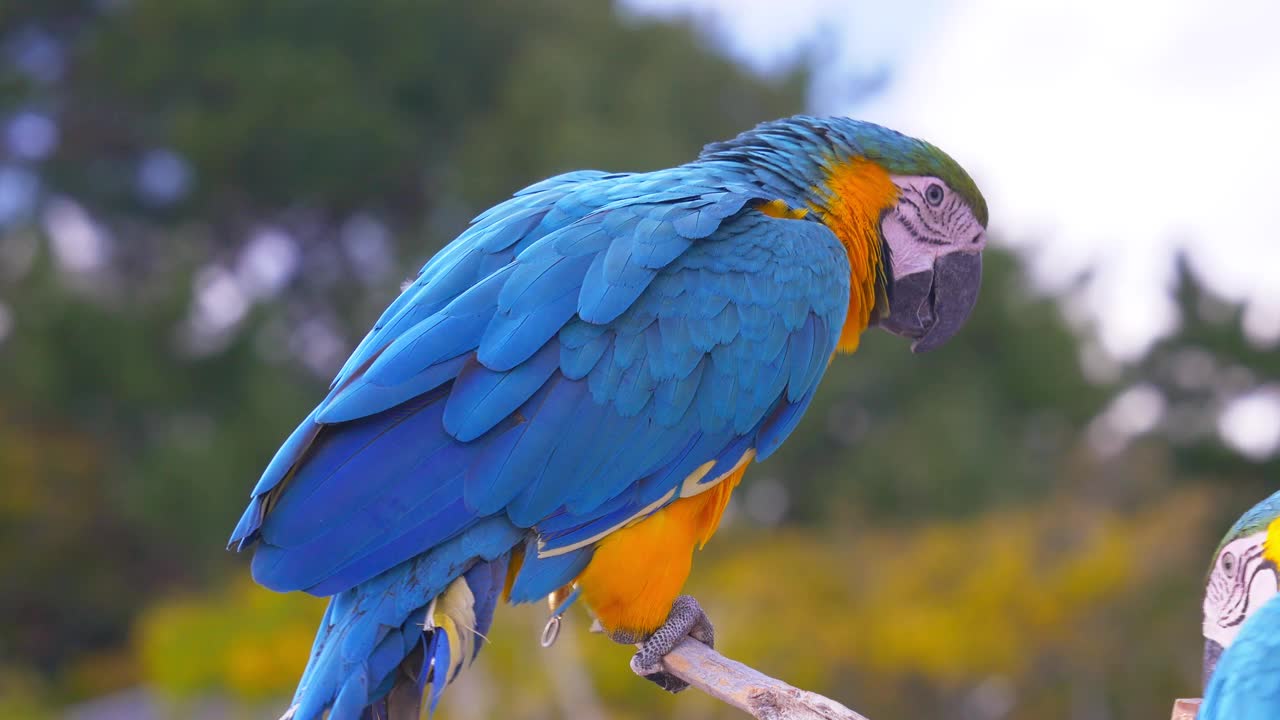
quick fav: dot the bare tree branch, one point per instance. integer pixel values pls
(748, 689)
(1186, 709)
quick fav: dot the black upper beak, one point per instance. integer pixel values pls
(1212, 651)
(933, 305)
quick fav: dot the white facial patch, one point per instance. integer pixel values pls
(1240, 582)
(930, 220)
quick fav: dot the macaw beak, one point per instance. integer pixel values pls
(931, 306)
(1212, 651)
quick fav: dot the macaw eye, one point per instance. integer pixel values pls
(933, 194)
(1228, 563)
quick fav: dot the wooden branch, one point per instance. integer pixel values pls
(1186, 709)
(748, 689)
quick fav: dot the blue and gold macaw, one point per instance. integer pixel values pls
(562, 402)
(1242, 620)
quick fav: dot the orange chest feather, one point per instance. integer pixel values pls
(638, 571)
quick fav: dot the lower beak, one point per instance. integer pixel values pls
(933, 305)
(1212, 651)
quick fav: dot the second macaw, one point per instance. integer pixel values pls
(1242, 620)
(1243, 576)
(562, 402)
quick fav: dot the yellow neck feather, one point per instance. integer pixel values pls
(1271, 546)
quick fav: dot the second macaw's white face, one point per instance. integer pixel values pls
(1242, 579)
(935, 245)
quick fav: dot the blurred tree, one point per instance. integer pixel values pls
(989, 418)
(1200, 372)
(228, 193)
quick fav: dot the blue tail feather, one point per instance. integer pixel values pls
(370, 648)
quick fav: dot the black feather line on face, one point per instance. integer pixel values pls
(916, 234)
(952, 208)
(1249, 569)
(928, 215)
(936, 234)
(925, 220)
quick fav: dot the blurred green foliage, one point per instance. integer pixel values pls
(237, 189)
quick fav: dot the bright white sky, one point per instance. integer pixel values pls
(1106, 134)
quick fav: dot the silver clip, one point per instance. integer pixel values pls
(550, 631)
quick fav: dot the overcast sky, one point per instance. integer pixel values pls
(1106, 134)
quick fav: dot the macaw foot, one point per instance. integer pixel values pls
(686, 619)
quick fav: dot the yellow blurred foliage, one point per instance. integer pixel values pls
(949, 605)
(246, 640)
(23, 695)
(954, 601)
(100, 673)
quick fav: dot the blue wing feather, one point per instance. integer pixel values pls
(577, 363)
(369, 398)
(382, 448)
(540, 576)
(496, 479)
(515, 334)
(800, 353)
(481, 397)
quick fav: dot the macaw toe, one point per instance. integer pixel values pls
(685, 620)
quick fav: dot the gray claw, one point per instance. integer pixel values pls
(686, 619)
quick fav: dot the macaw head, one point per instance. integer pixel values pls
(1243, 577)
(932, 241)
(912, 220)
(932, 227)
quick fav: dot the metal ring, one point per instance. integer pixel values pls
(550, 631)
